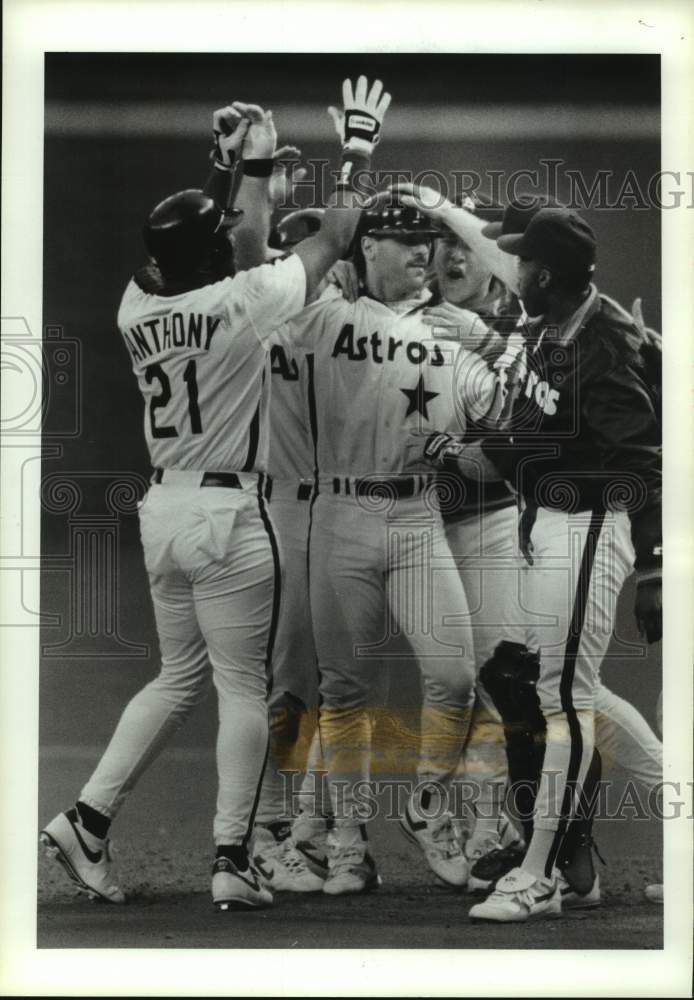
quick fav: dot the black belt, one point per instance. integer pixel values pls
(399, 488)
(228, 480)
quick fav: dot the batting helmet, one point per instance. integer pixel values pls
(385, 216)
(297, 226)
(184, 229)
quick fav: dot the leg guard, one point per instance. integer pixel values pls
(510, 678)
(575, 858)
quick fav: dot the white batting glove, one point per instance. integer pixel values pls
(359, 125)
(229, 128)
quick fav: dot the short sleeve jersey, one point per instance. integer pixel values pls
(200, 362)
(382, 384)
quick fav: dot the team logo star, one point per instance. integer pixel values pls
(418, 399)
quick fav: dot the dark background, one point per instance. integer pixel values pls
(123, 131)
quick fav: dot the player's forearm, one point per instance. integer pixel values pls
(469, 228)
(251, 234)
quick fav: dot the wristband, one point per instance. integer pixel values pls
(353, 160)
(258, 168)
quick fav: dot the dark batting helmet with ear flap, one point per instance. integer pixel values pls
(183, 230)
(385, 216)
(297, 226)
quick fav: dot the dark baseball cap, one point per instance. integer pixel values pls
(558, 238)
(481, 205)
(518, 214)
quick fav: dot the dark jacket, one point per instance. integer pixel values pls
(585, 427)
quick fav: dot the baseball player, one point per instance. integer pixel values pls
(377, 537)
(294, 698)
(589, 472)
(470, 303)
(621, 732)
(197, 338)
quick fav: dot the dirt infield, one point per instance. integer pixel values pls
(163, 858)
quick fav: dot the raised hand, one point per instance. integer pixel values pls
(359, 124)
(229, 127)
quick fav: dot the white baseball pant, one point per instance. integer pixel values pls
(294, 697)
(378, 565)
(485, 548)
(214, 575)
(581, 561)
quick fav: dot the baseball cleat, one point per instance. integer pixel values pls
(85, 858)
(351, 867)
(236, 889)
(493, 866)
(573, 900)
(475, 850)
(281, 867)
(654, 893)
(508, 833)
(437, 840)
(310, 838)
(314, 856)
(520, 896)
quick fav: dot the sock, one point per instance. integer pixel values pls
(538, 852)
(235, 853)
(93, 821)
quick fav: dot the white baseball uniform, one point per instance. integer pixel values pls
(377, 546)
(292, 459)
(209, 546)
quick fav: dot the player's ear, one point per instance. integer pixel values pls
(368, 247)
(544, 277)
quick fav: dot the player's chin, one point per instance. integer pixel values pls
(454, 290)
(417, 275)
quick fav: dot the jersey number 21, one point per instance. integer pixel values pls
(189, 377)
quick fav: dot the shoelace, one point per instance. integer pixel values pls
(443, 836)
(345, 860)
(293, 860)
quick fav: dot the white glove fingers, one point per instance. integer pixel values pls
(361, 92)
(383, 106)
(374, 94)
(347, 94)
